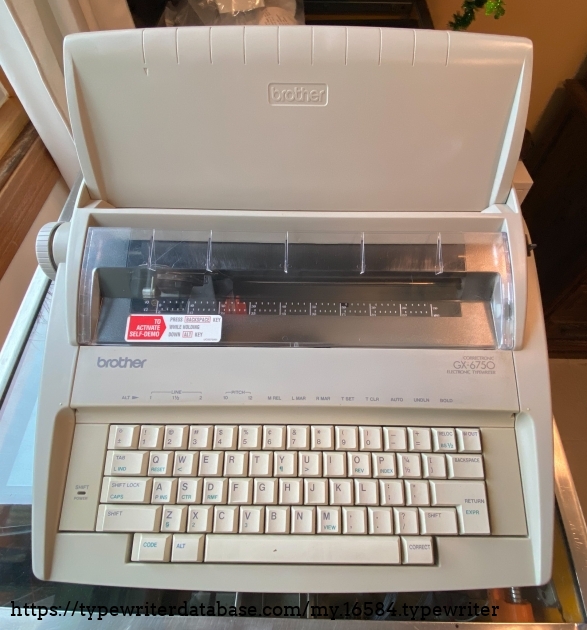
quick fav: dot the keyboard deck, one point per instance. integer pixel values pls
(292, 494)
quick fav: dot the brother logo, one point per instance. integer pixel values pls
(298, 93)
(121, 363)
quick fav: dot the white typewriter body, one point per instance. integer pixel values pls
(222, 168)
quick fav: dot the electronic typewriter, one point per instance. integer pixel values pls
(296, 341)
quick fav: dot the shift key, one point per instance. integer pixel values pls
(126, 463)
(128, 518)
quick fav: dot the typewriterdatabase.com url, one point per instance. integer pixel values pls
(350, 609)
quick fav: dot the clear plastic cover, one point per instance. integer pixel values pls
(296, 289)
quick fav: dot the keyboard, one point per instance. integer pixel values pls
(292, 494)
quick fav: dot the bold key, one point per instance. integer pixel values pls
(252, 520)
(434, 466)
(380, 520)
(370, 439)
(200, 519)
(408, 465)
(126, 490)
(291, 492)
(225, 519)
(240, 491)
(185, 464)
(215, 490)
(438, 521)
(285, 464)
(391, 492)
(236, 464)
(265, 492)
(328, 520)
(366, 492)
(160, 463)
(151, 437)
(303, 520)
(128, 518)
(189, 490)
(123, 436)
(405, 520)
(174, 518)
(341, 491)
(334, 464)
(176, 437)
(347, 438)
(354, 520)
(164, 491)
(277, 520)
(322, 438)
(310, 464)
(298, 437)
(419, 439)
(316, 491)
(465, 466)
(187, 548)
(249, 437)
(359, 464)
(394, 439)
(151, 548)
(225, 437)
(384, 465)
(417, 493)
(211, 463)
(417, 550)
(200, 437)
(261, 464)
(444, 440)
(123, 463)
(469, 440)
(274, 437)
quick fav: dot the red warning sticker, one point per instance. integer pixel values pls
(173, 328)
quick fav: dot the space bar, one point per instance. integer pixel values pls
(317, 549)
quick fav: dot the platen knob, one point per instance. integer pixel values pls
(44, 246)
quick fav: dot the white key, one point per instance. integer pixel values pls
(249, 437)
(225, 437)
(252, 520)
(310, 464)
(274, 437)
(328, 520)
(417, 550)
(211, 463)
(469, 440)
(341, 491)
(354, 520)
(316, 491)
(174, 518)
(189, 490)
(123, 436)
(240, 491)
(322, 438)
(470, 499)
(405, 521)
(380, 520)
(285, 464)
(434, 466)
(417, 493)
(370, 439)
(151, 548)
(291, 492)
(200, 519)
(225, 519)
(298, 437)
(419, 439)
(438, 521)
(151, 437)
(187, 548)
(164, 491)
(347, 438)
(384, 465)
(465, 466)
(128, 518)
(359, 464)
(236, 464)
(408, 465)
(176, 437)
(303, 520)
(277, 519)
(185, 464)
(391, 492)
(320, 550)
(444, 440)
(131, 463)
(334, 464)
(261, 464)
(366, 492)
(394, 439)
(160, 463)
(215, 490)
(265, 492)
(126, 490)
(200, 437)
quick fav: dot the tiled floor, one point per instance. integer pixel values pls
(569, 400)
